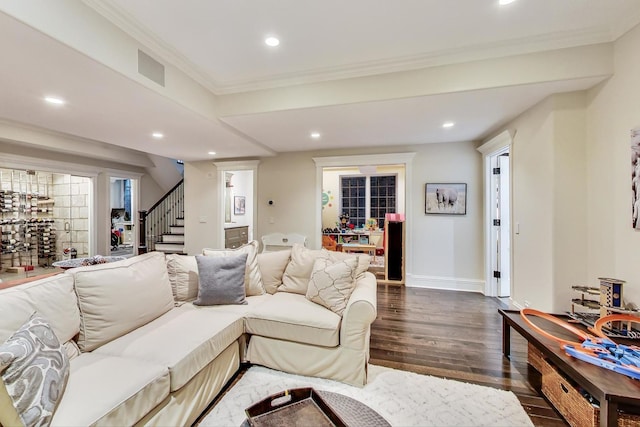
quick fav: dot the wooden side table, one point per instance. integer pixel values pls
(614, 391)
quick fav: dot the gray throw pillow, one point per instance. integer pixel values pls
(34, 370)
(221, 280)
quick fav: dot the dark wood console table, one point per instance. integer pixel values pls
(614, 391)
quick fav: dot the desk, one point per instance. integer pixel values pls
(356, 247)
(611, 389)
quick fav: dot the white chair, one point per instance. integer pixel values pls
(279, 241)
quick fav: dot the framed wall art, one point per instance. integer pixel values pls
(445, 198)
(238, 205)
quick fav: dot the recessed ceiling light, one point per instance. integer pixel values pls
(315, 135)
(54, 100)
(157, 135)
(505, 2)
(211, 153)
(272, 41)
(448, 124)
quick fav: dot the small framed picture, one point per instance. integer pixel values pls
(445, 198)
(238, 205)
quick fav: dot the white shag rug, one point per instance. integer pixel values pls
(402, 398)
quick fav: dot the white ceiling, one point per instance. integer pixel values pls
(219, 43)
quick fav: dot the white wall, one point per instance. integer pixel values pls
(201, 207)
(612, 111)
(572, 190)
(549, 202)
(446, 251)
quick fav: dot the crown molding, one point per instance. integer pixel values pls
(516, 46)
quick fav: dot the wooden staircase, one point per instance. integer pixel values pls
(162, 226)
(173, 241)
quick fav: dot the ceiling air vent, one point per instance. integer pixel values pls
(150, 68)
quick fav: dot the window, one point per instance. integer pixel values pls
(365, 197)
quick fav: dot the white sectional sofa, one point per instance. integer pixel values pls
(141, 353)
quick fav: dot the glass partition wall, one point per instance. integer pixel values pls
(44, 217)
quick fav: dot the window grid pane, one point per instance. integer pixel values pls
(383, 197)
(353, 198)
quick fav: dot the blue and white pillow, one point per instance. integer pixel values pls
(34, 369)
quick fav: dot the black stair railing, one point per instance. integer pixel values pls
(160, 217)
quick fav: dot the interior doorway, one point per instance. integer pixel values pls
(501, 223)
(236, 186)
(123, 221)
(381, 172)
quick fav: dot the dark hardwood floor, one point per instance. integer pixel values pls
(455, 335)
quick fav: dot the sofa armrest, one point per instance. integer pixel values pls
(360, 313)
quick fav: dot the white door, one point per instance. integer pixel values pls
(500, 224)
(504, 240)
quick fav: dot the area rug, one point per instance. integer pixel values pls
(402, 398)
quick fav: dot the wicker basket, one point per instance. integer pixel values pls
(573, 406)
(536, 359)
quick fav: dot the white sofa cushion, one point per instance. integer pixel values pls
(253, 278)
(296, 276)
(272, 266)
(364, 260)
(332, 283)
(183, 275)
(183, 340)
(293, 317)
(53, 298)
(110, 391)
(119, 297)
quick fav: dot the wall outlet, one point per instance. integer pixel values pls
(203, 219)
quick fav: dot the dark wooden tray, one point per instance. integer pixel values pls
(300, 406)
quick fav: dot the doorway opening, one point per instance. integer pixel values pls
(501, 224)
(123, 209)
(497, 217)
(237, 183)
(355, 196)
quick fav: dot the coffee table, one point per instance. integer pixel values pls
(351, 411)
(613, 391)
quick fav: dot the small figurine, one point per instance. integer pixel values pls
(344, 220)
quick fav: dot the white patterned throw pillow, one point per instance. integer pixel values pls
(34, 370)
(332, 283)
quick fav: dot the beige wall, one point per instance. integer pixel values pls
(549, 202)
(572, 189)
(201, 201)
(613, 110)
(443, 251)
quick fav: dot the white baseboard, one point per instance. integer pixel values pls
(516, 304)
(450, 283)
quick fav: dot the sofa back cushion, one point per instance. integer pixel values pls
(183, 275)
(296, 276)
(364, 261)
(252, 279)
(272, 266)
(52, 297)
(332, 283)
(118, 297)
